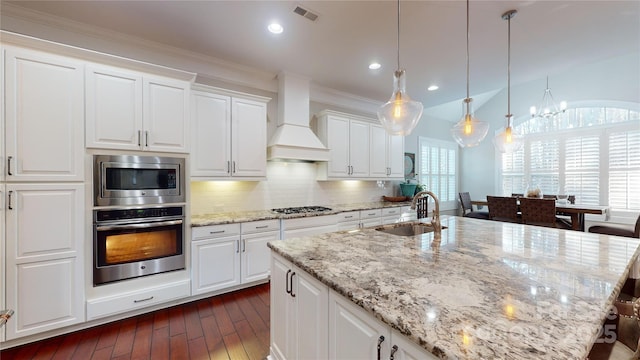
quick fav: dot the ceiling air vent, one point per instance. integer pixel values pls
(305, 13)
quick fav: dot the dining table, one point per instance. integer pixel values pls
(575, 211)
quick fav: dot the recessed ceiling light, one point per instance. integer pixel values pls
(433, 87)
(275, 28)
(374, 66)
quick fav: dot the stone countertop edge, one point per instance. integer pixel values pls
(400, 301)
(257, 215)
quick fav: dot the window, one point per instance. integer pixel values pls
(592, 153)
(438, 168)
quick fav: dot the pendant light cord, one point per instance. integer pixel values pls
(509, 72)
(467, 55)
(398, 39)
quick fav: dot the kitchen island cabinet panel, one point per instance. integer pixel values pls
(299, 304)
(44, 104)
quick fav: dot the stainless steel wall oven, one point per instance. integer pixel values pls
(136, 242)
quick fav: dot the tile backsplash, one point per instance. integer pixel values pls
(287, 184)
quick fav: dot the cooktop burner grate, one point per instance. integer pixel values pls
(301, 209)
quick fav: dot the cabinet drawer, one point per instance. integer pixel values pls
(260, 226)
(348, 216)
(369, 214)
(122, 303)
(208, 232)
(392, 211)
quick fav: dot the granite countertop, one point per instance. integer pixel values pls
(488, 290)
(244, 216)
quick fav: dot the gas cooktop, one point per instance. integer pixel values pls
(301, 209)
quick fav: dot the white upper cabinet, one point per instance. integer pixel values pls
(386, 154)
(128, 110)
(348, 139)
(229, 134)
(44, 103)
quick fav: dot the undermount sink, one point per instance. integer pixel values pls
(407, 229)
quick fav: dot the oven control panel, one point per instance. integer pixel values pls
(137, 213)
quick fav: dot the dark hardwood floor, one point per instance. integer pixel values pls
(229, 326)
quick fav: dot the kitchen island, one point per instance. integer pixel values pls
(485, 290)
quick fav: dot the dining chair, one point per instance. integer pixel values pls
(467, 208)
(503, 208)
(541, 212)
(624, 324)
(612, 230)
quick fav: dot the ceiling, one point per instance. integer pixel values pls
(547, 37)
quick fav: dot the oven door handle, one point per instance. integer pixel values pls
(138, 226)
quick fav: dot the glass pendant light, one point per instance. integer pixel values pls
(508, 140)
(400, 115)
(469, 131)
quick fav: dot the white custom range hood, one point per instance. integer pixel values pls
(294, 139)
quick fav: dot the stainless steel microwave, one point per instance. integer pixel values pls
(138, 180)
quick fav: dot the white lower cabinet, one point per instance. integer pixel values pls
(309, 226)
(44, 242)
(227, 255)
(314, 322)
(299, 309)
(352, 220)
(356, 334)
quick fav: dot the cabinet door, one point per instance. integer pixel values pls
(359, 148)
(378, 152)
(113, 108)
(210, 130)
(215, 264)
(248, 138)
(281, 304)
(312, 308)
(408, 350)
(338, 145)
(256, 255)
(44, 100)
(395, 156)
(44, 239)
(165, 114)
(354, 334)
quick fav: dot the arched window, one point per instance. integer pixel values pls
(592, 152)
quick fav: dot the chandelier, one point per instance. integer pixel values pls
(400, 115)
(548, 108)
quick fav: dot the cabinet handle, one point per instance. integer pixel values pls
(394, 348)
(262, 227)
(244, 245)
(9, 165)
(143, 300)
(228, 167)
(146, 138)
(234, 166)
(292, 275)
(216, 232)
(139, 138)
(348, 217)
(238, 246)
(380, 341)
(9, 205)
(286, 284)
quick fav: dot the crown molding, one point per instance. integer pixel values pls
(78, 35)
